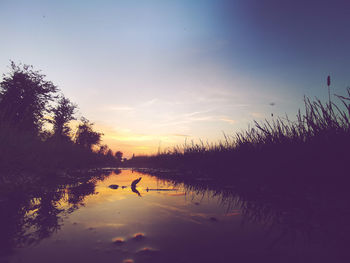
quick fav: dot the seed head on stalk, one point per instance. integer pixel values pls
(329, 91)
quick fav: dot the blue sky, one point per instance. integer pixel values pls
(152, 73)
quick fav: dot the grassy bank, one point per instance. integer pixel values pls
(317, 143)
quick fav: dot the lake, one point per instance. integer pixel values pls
(102, 219)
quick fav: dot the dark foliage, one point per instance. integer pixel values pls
(26, 105)
(119, 156)
(63, 113)
(24, 95)
(86, 136)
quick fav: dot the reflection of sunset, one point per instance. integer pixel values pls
(124, 181)
(99, 223)
(176, 194)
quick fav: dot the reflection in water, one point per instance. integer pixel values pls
(175, 221)
(133, 186)
(28, 217)
(135, 191)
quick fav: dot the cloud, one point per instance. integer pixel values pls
(196, 116)
(180, 135)
(121, 108)
(228, 120)
(257, 115)
(190, 114)
(134, 137)
(149, 102)
(203, 118)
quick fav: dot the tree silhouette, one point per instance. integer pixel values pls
(103, 149)
(86, 136)
(24, 96)
(110, 153)
(119, 156)
(63, 113)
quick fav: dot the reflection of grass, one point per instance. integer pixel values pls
(316, 143)
(292, 213)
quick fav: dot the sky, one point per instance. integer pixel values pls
(154, 74)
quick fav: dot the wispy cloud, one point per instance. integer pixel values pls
(132, 137)
(195, 116)
(180, 135)
(190, 114)
(202, 118)
(228, 120)
(257, 115)
(120, 108)
(149, 102)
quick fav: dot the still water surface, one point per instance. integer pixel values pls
(104, 220)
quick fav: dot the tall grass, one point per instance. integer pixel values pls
(317, 142)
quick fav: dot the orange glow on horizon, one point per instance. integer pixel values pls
(139, 144)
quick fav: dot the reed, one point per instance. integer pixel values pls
(315, 143)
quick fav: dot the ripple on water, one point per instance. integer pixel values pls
(119, 241)
(138, 237)
(147, 251)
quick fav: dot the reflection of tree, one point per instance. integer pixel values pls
(12, 221)
(29, 216)
(46, 218)
(27, 220)
(77, 194)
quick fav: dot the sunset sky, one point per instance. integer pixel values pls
(153, 73)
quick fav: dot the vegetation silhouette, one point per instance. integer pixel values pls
(314, 145)
(24, 97)
(63, 113)
(36, 132)
(86, 137)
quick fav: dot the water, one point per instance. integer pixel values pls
(104, 220)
